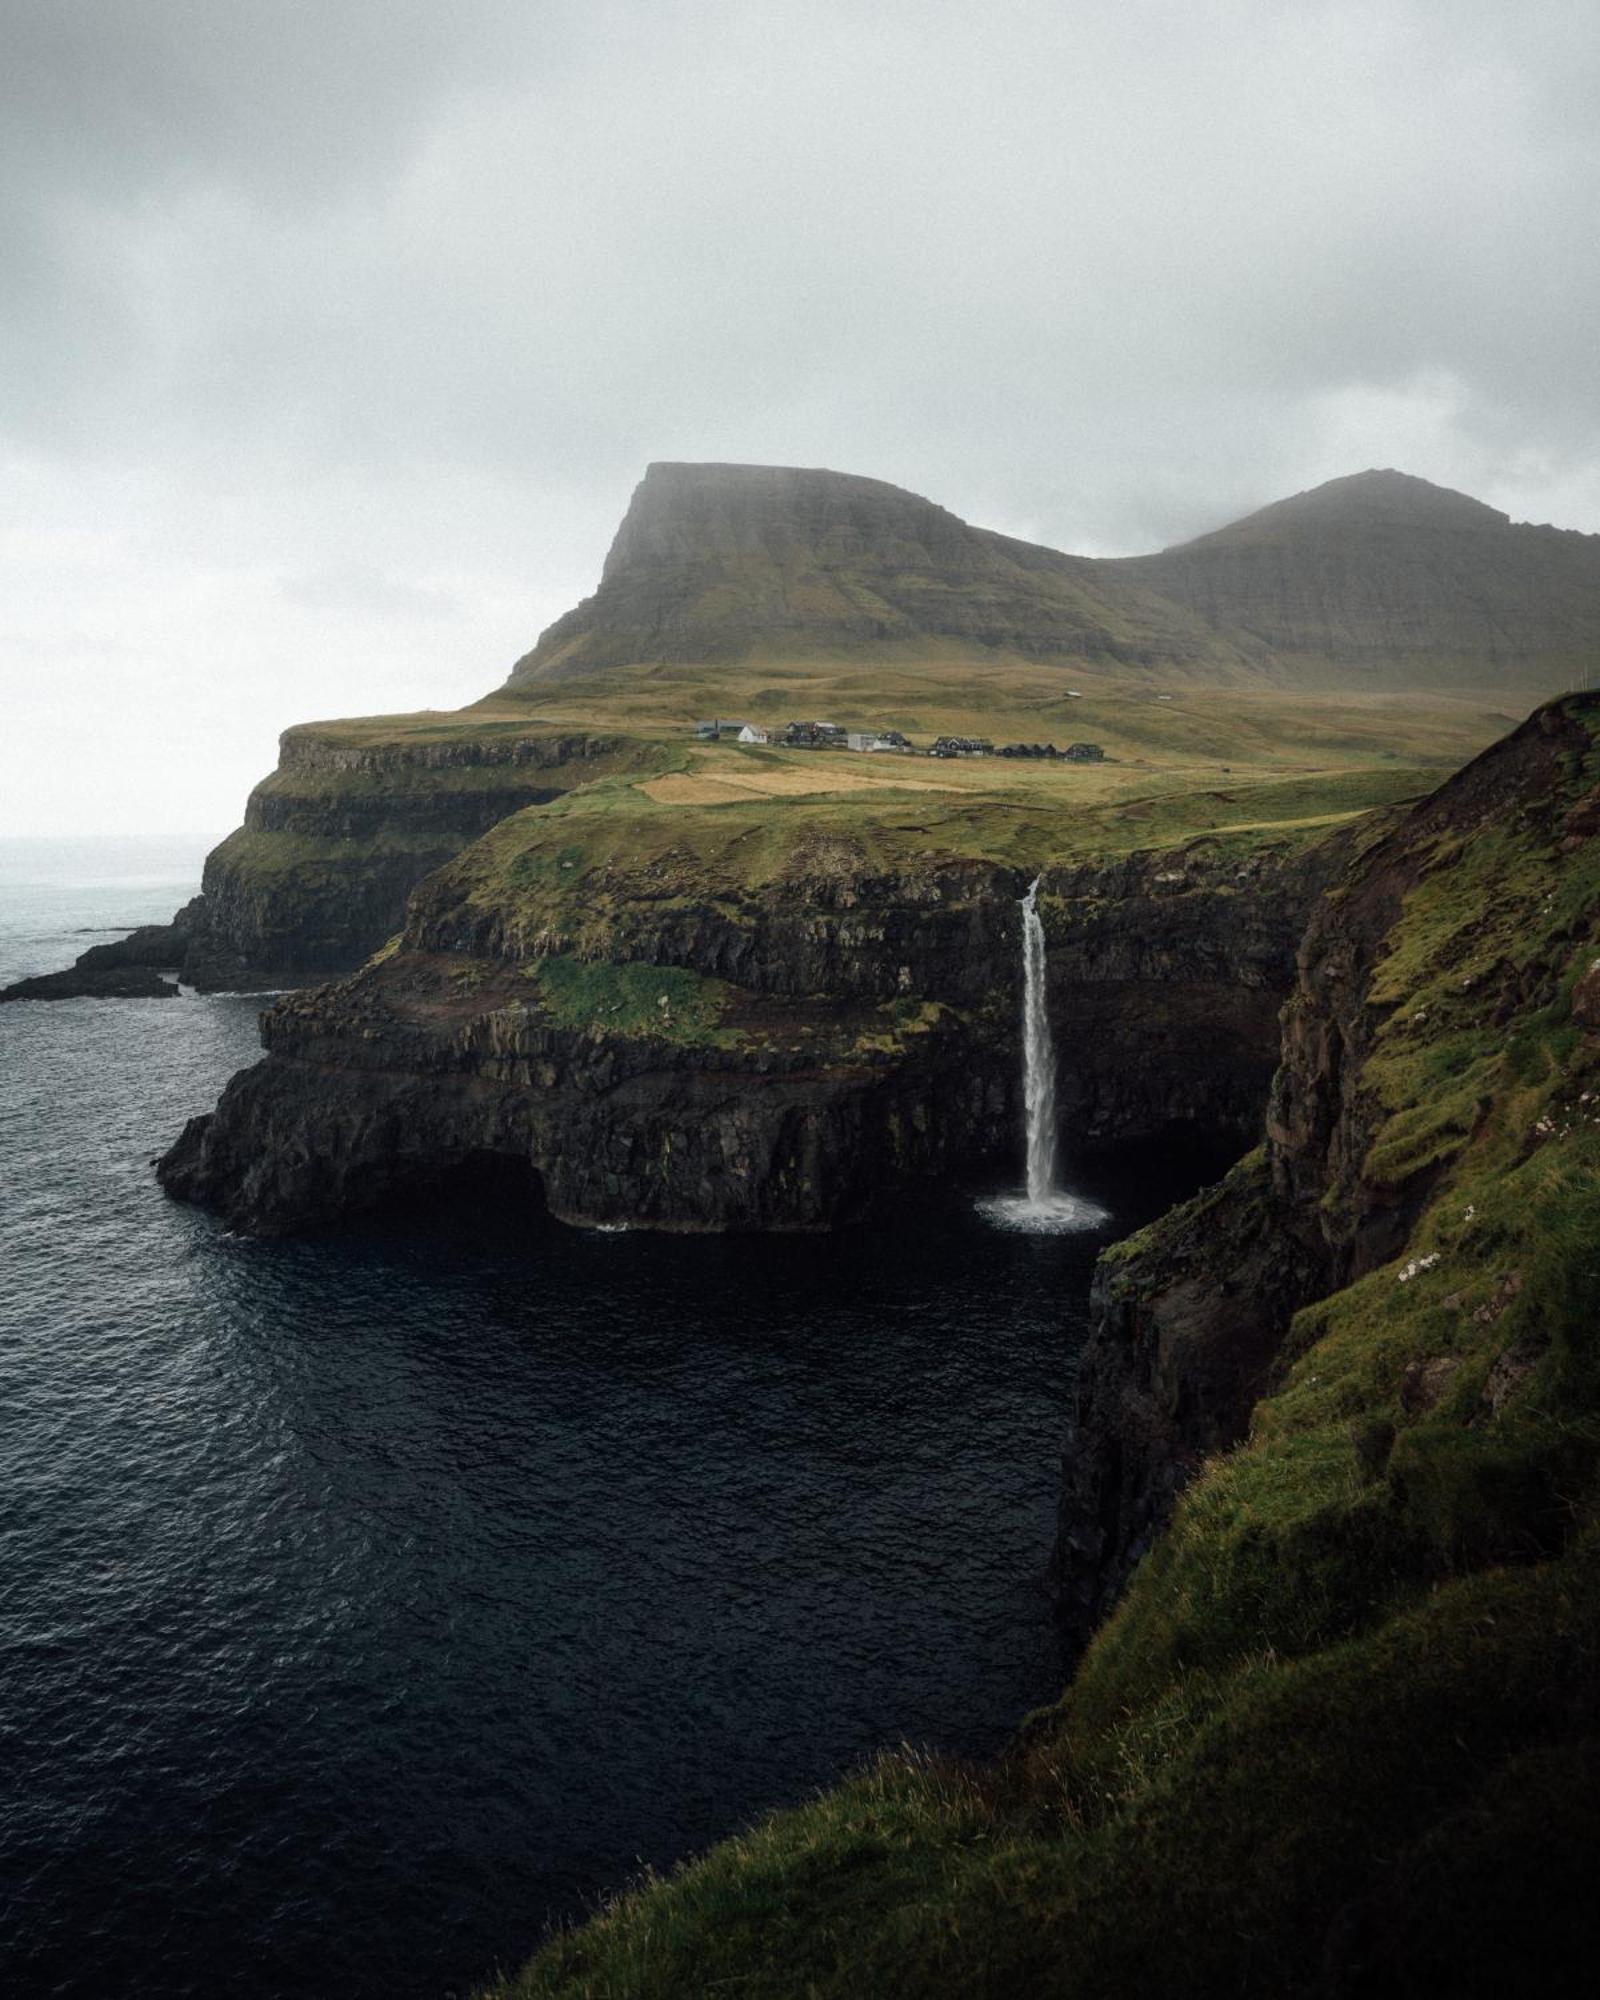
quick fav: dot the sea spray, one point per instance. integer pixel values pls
(1044, 1207)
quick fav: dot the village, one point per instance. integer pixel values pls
(885, 742)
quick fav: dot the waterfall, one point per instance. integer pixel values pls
(1043, 1207)
(1038, 1056)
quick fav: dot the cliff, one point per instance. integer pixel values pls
(1412, 983)
(1383, 581)
(762, 1031)
(334, 840)
(1339, 1451)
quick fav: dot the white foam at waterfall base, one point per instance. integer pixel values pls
(1045, 1209)
(1054, 1215)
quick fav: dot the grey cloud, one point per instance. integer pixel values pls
(408, 291)
(951, 237)
(368, 591)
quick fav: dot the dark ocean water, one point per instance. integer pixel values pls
(366, 1604)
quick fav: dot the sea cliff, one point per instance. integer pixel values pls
(656, 1046)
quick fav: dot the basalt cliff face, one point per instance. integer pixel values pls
(1460, 939)
(335, 840)
(767, 1062)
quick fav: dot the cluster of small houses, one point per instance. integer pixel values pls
(829, 736)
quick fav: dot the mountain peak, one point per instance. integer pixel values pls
(687, 511)
(1378, 499)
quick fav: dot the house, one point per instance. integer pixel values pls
(813, 736)
(962, 746)
(1084, 753)
(752, 733)
(712, 732)
(877, 740)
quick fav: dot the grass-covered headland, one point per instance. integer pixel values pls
(1341, 1735)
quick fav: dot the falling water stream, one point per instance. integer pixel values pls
(1044, 1207)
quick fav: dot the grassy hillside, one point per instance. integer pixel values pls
(1342, 1735)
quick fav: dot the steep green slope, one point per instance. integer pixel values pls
(1342, 1734)
(1384, 581)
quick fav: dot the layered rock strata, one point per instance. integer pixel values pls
(766, 1063)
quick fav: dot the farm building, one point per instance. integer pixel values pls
(813, 736)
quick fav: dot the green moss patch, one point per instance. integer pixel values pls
(665, 1001)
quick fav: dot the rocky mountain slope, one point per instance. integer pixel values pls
(1338, 1450)
(1382, 581)
(721, 562)
(1379, 581)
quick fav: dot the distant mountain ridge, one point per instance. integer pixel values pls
(1385, 580)
(1378, 581)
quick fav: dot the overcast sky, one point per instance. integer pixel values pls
(334, 334)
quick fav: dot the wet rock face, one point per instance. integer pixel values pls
(870, 1037)
(397, 1082)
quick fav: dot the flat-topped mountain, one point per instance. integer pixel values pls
(1383, 580)
(1380, 581)
(719, 562)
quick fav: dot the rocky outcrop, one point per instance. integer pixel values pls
(1373, 1103)
(335, 840)
(854, 1031)
(332, 844)
(130, 968)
